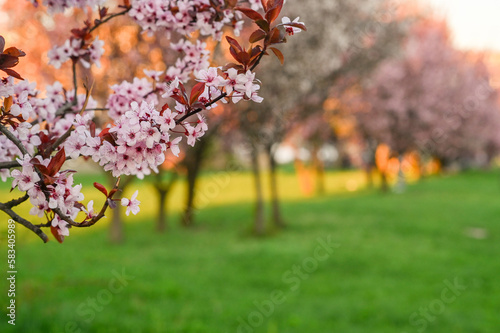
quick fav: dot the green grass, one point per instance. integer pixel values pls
(394, 253)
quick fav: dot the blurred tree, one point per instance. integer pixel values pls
(431, 99)
(163, 188)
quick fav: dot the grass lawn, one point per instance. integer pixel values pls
(423, 261)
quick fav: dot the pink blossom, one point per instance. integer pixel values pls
(132, 204)
(25, 179)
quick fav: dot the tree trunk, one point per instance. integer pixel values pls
(320, 171)
(161, 219)
(116, 234)
(384, 184)
(273, 183)
(401, 184)
(369, 164)
(259, 201)
(192, 161)
(163, 190)
(369, 176)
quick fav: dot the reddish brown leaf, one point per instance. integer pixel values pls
(232, 65)
(103, 12)
(56, 162)
(234, 53)
(245, 57)
(7, 103)
(255, 52)
(197, 90)
(263, 24)
(92, 129)
(234, 43)
(273, 14)
(257, 35)
(250, 13)
(275, 36)
(264, 4)
(7, 61)
(101, 188)
(12, 73)
(112, 192)
(55, 233)
(297, 25)
(278, 54)
(14, 51)
(179, 98)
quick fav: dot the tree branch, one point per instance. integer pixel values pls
(5, 208)
(17, 202)
(9, 165)
(14, 140)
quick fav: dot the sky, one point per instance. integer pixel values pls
(475, 24)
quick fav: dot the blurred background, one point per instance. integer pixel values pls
(362, 195)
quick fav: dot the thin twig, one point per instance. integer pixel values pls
(17, 202)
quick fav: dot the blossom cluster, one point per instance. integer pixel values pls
(77, 49)
(183, 16)
(55, 6)
(237, 86)
(127, 92)
(134, 145)
(195, 57)
(149, 116)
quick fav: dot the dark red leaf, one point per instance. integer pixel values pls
(112, 192)
(278, 54)
(101, 188)
(13, 73)
(250, 13)
(234, 53)
(234, 43)
(56, 162)
(257, 35)
(255, 53)
(54, 230)
(197, 90)
(42, 168)
(103, 12)
(7, 61)
(179, 98)
(245, 57)
(92, 129)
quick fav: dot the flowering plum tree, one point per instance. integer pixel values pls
(41, 130)
(432, 99)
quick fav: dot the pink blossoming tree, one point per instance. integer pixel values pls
(42, 129)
